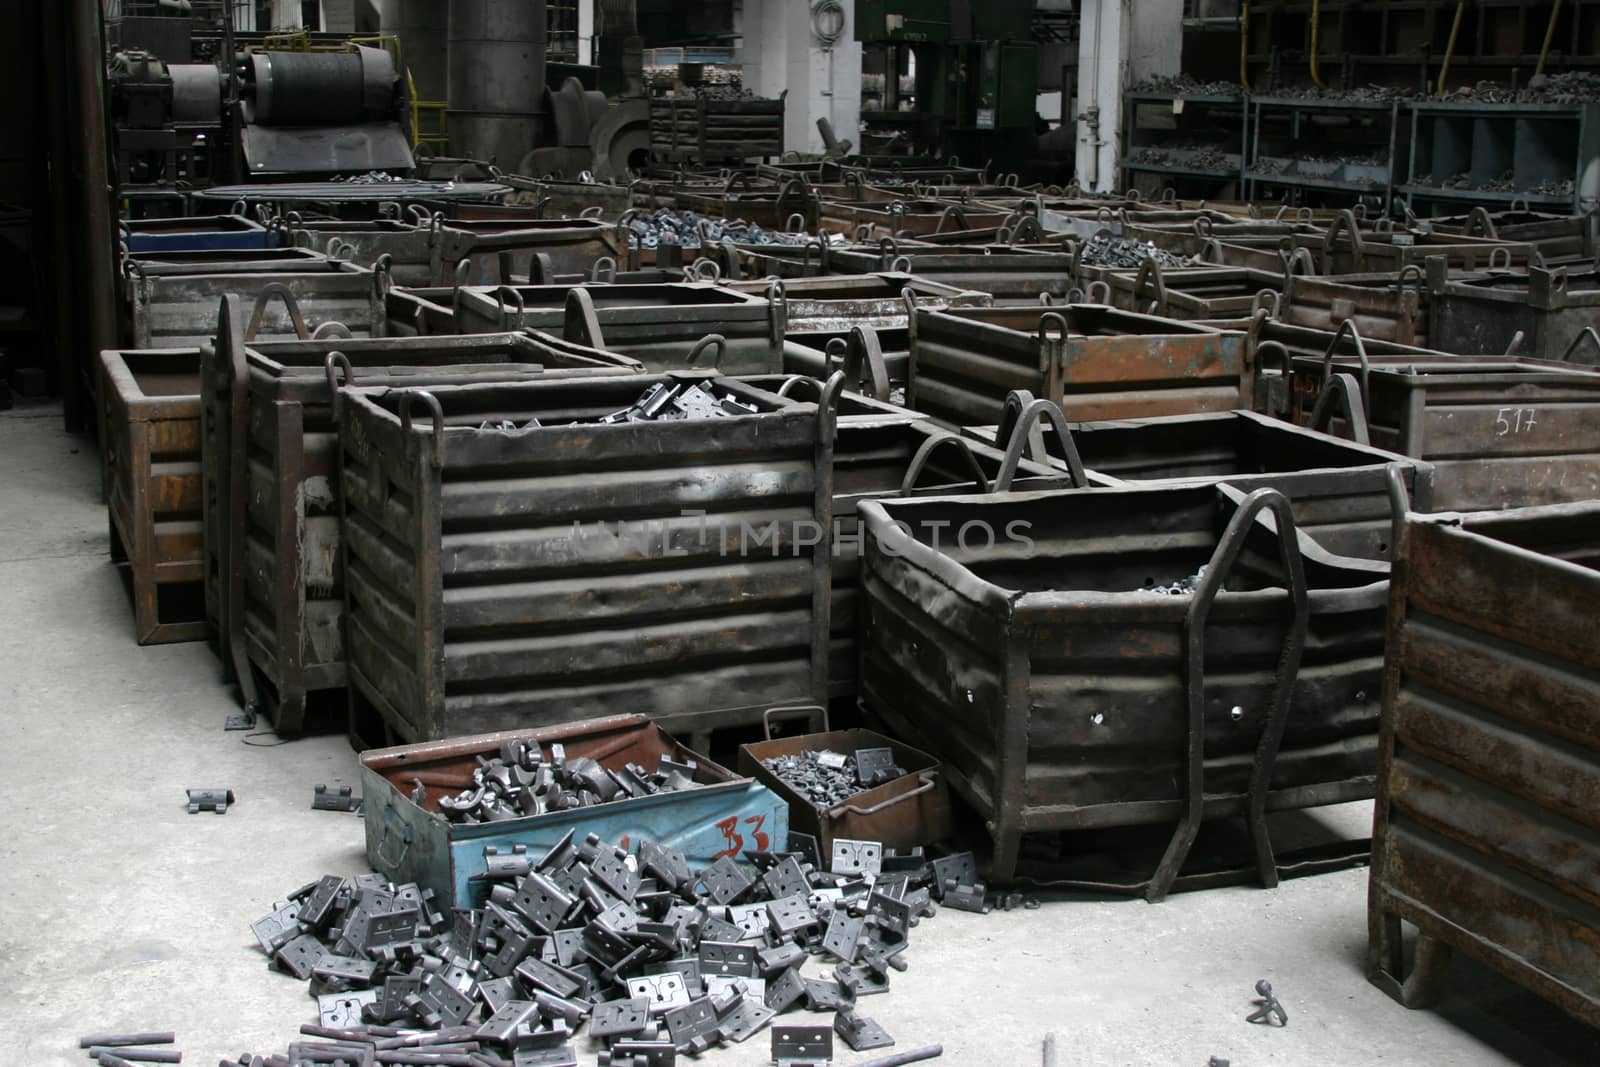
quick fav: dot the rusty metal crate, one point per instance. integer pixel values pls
(274, 574)
(1192, 293)
(678, 568)
(659, 325)
(1094, 361)
(150, 436)
(817, 353)
(1501, 432)
(1385, 307)
(1484, 833)
(838, 302)
(407, 841)
(700, 130)
(408, 245)
(778, 206)
(496, 252)
(904, 813)
(1339, 491)
(420, 311)
(172, 297)
(1557, 238)
(1275, 345)
(1347, 248)
(1034, 655)
(871, 220)
(1007, 273)
(1546, 314)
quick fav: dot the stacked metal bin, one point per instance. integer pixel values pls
(1484, 829)
(1546, 314)
(1034, 652)
(150, 441)
(1095, 362)
(566, 568)
(274, 574)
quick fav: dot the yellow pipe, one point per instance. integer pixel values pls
(1316, 31)
(1549, 37)
(1450, 49)
(1244, 44)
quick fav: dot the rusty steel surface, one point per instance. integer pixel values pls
(1338, 490)
(1062, 690)
(294, 296)
(150, 435)
(871, 220)
(1346, 248)
(1008, 274)
(1484, 833)
(679, 569)
(1096, 362)
(659, 325)
(365, 243)
(274, 575)
(1558, 238)
(817, 353)
(572, 245)
(1385, 307)
(1193, 293)
(1538, 312)
(1501, 432)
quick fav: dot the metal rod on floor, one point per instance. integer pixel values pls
(1049, 1050)
(916, 1055)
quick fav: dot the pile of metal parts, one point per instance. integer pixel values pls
(131, 1050)
(828, 778)
(625, 943)
(1105, 249)
(689, 229)
(673, 401)
(520, 782)
(1181, 587)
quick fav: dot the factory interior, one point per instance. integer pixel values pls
(637, 533)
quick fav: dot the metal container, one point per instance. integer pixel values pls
(499, 252)
(816, 353)
(172, 305)
(410, 311)
(837, 302)
(1096, 362)
(1500, 432)
(704, 130)
(275, 579)
(870, 220)
(496, 69)
(1034, 654)
(659, 325)
(1010, 275)
(679, 568)
(1546, 314)
(150, 436)
(1385, 307)
(1339, 491)
(1193, 293)
(904, 813)
(1347, 249)
(727, 815)
(214, 233)
(407, 246)
(1484, 829)
(1558, 238)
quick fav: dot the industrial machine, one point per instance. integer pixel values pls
(974, 68)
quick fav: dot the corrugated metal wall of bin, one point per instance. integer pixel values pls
(507, 579)
(274, 584)
(1485, 829)
(1062, 693)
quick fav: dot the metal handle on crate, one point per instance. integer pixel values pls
(953, 212)
(603, 270)
(501, 292)
(231, 341)
(1344, 388)
(1588, 333)
(1282, 350)
(1495, 260)
(337, 359)
(925, 785)
(814, 714)
(828, 407)
(333, 329)
(710, 340)
(1229, 547)
(393, 865)
(1349, 326)
(1399, 507)
(432, 403)
(932, 445)
(579, 322)
(1268, 300)
(1099, 292)
(863, 347)
(276, 289)
(1151, 274)
(1027, 412)
(799, 382)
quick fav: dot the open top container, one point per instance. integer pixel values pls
(193, 234)
(727, 815)
(911, 810)
(1037, 656)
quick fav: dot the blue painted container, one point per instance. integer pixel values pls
(406, 842)
(215, 233)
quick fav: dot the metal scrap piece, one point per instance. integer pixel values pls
(216, 800)
(341, 799)
(860, 1032)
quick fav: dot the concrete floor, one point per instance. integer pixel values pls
(120, 911)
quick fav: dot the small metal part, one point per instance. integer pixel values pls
(718, 984)
(875, 766)
(860, 1032)
(726, 881)
(805, 846)
(1050, 1050)
(1267, 1007)
(823, 994)
(801, 1045)
(693, 1027)
(746, 1015)
(216, 800)
(110, 1056)
(900, 1059)
(112, 1041)
(727, 958)
(622, 1018)
(640, 1054)
(663, 991)
(245, 720)
(856, 857)
(340, 799)
(786, 990)
(973, 898)
(844, 934)
(340, 1011)
(279, 928)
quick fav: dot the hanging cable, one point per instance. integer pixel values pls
(827, 22)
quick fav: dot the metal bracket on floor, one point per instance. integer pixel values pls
(216, 800)
(860, 1032)
(798, 1045)
(340, 799)
(245, 720)
(1268, 1011)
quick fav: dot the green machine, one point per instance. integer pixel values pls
(974, 68)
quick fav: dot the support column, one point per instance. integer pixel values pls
(1120, 43)
(782, 50)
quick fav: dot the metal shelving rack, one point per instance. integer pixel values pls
(1218, 121)
(1348, 127)
(1533, 144)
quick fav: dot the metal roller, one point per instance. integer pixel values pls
(196, 93)
(322, 89)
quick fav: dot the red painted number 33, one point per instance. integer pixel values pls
(735, 840)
